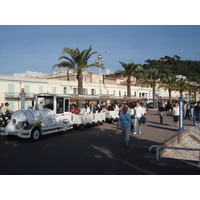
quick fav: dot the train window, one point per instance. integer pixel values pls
(59, 105)
(66, 105)
(45, 102)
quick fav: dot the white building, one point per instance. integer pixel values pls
(59, 83)
(11, 87)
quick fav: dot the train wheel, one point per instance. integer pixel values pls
(35, 134)
(98, 123)
(82, 127)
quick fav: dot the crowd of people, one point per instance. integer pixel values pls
(190, 110)
(92, 108)
(125, 121)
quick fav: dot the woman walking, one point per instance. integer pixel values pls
(125, 123)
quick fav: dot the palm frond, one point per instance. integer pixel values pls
(64, 64)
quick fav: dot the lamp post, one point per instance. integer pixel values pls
(100, 62)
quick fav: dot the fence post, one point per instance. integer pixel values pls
(181, 122)
(194, 117)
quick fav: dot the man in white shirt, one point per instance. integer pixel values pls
(6, 109)
(138, 113)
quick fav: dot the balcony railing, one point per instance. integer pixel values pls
(17, 95)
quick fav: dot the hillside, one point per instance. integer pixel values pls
(188, 68)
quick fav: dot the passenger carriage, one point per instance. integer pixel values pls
(112, 115)
(82, 120)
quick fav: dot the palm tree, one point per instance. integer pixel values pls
(130, 70)
(78, 62)
(152, 79)
(181, 86)
(168, 82)
(194, 88)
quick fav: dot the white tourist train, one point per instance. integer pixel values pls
(49, 113)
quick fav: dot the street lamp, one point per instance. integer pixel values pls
(100, 62)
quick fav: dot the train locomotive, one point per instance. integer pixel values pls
(48, 114)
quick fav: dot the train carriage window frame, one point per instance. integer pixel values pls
(46, 101)
(59, 105)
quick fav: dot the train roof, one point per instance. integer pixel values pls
(53, 94)
(85, 97)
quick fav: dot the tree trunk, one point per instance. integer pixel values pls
(80, 83)
(170, 96)
(128, 88)
(181, 95)
(195, 96)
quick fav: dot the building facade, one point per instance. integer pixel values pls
(64, 82)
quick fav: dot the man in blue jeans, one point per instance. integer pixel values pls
(162, 112)
(138, 113)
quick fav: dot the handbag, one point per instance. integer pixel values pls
(143, 120)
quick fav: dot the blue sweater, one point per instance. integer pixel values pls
(124, 120)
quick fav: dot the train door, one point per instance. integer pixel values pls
(66, 105)
(62, 105)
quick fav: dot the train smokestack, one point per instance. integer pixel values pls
(22, 94)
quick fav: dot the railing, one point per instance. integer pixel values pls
(16, 95)
(159, 147)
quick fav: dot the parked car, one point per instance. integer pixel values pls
(149, 105)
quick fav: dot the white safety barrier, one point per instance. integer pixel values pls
(159, 147)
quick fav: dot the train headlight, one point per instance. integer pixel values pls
(25, 125)
(4, 123)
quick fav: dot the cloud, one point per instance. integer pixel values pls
(29, 73)
(108, 71)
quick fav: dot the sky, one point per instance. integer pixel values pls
(38, 47)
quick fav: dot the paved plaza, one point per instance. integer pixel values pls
(95, 150)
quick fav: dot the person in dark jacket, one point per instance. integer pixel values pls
(169, 108)
(92, 108)
(197, 111)
(162, 113)
(110, 107)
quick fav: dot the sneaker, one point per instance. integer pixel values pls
(134, 133)
(140, 133)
